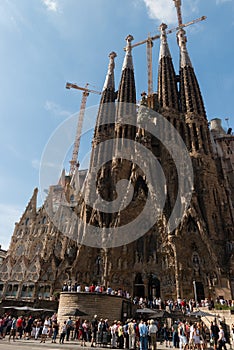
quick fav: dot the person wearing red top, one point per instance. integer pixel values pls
(19, 327)
(183, 306)
(92, 288)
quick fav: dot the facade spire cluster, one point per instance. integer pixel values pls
(197, 254)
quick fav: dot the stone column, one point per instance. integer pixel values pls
(172, 240)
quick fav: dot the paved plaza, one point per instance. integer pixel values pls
(36, 345)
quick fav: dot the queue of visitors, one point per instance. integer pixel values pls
(77, 287)
(132, 334)
(186, 306)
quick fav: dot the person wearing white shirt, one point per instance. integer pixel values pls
(153, 334)
(222, 339)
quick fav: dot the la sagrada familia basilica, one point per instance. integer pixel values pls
(153, 213)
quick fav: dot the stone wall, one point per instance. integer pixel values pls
(104, 306)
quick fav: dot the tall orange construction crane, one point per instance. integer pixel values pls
(74, 161)
(150, 39)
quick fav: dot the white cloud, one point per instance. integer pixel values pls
(9, 214)
(51, 5)
(165, 11)
(56, 109)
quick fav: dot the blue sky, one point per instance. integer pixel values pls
(45, 43)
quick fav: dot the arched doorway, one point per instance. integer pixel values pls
(139, 288)
(199, 293)
(153, 287)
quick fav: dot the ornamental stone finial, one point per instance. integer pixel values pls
(164, 49)
(128, 56)
(110, 80)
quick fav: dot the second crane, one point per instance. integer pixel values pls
(74, 161)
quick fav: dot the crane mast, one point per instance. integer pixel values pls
(74, 161)
(149, 65)
(178, 10)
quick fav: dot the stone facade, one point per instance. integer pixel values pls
(2, 258)
(193, 258)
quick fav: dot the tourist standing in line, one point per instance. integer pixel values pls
(28, 327)
(55, 327)
(126, 336)
(214, 333)
(165, 334)
(143, 331)
(153, 334)
(183, 336)
(113, 329)
(19, 327)
(38, 328)
(132, 334)
(63, 332)
(84, 332)
(77, 327)
(222, 339)
(191, 341)
(94, 329)
(69, 328)
(45, 330)
(120, 335)
(175, 336)
(13, 329)
(197, 336)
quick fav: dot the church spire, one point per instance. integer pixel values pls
(126, 98)
(127, 90)
(106, 112)
(128, 56)
(110, 78)
(190, 94)
(191, 101)
(167, 85)
(108, 96)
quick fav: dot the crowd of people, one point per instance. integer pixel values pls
(132, 334)
(69, 286)
(186, 305)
